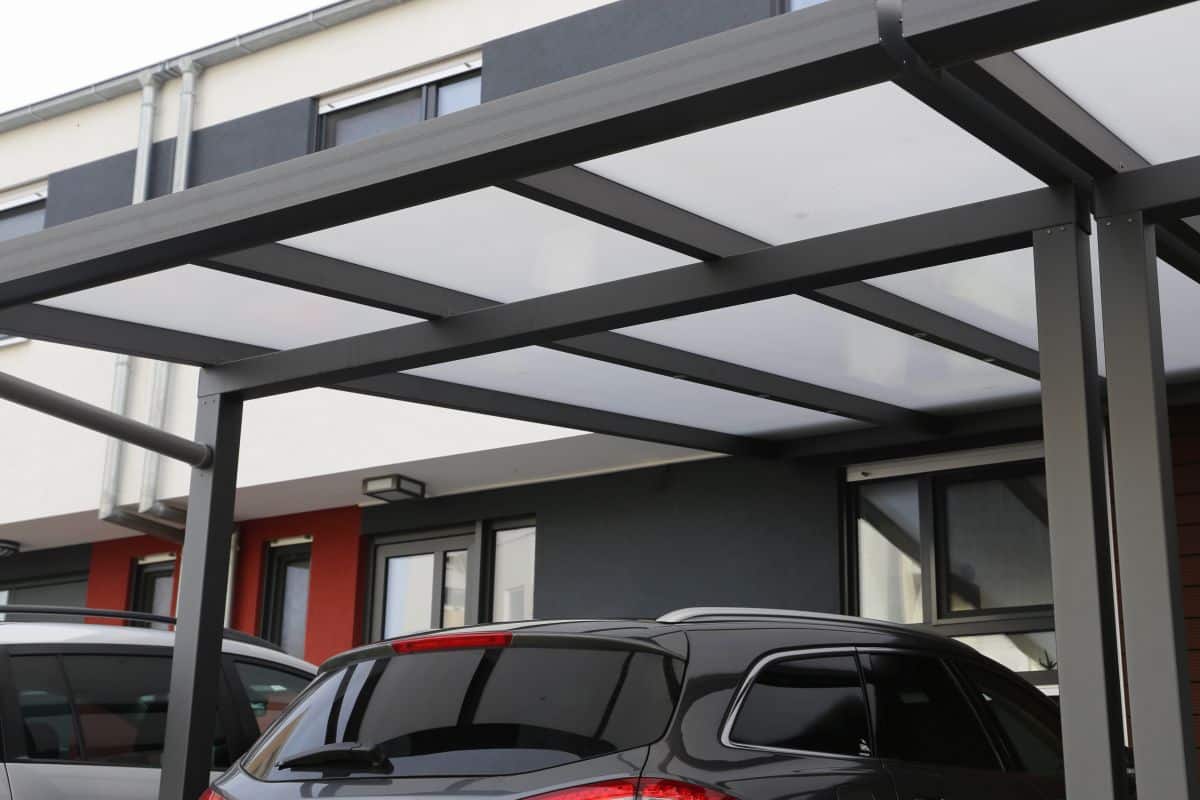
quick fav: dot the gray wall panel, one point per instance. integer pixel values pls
(638, 543)
(607, 35)
(46, 564)
(105, 184)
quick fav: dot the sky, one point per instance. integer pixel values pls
(54, 46)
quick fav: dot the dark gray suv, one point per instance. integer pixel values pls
(702, 704)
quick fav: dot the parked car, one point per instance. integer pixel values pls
(702, 704)
(85, 705)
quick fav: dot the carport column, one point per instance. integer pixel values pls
(1144, 498)
(1079, 541)
(195, 667)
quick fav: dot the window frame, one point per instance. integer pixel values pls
(743, 691)
(279, 558)
(11, 720)
(934, 574)
(145, 572)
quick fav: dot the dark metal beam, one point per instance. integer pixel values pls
(1162, 191)
(954, 234)
(601, 200)
(94, 418)
(336, 278)
(203, 571)
(86, 330)
(1081, 564)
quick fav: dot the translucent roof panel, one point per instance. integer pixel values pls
(198, 300)
(808, 341)
(551, 375)
(856, 159)
(492, 243)
(1135, 77)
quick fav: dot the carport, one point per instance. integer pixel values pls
(729, 305)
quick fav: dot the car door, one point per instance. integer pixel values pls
(89, 722)
(932, 741)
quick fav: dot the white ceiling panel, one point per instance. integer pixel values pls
(492, 243)
(198, 300)
(551, 375)
(808, 341)
(843, 162)
(1135, 77)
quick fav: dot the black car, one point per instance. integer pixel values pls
(702, 704)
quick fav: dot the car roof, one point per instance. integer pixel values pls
(76, 633)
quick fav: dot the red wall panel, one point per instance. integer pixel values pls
(112, 567)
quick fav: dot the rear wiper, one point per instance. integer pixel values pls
(340, 755)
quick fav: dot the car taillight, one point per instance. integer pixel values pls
(630, 789)
(457, 641)
(212, 794)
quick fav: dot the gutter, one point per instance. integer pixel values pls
(207, 57)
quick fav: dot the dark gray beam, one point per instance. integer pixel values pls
(86, 330)
(1144, 508)
(334, 277)
(1163, 191)
(779, 62)
(954, 234)
(609, 203)
(1081, 564)
(203, 572)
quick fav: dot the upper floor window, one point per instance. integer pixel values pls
(373, 113)
(22, 215)
(967, 550)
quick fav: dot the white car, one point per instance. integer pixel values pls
(84, 706)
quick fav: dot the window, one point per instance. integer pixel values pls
(285, 603)
(109, 709)
(1029, 725)
(354, 121)
(919, 715)
(436, 579)
(18, 220)
(269, 690)
(499, 711)
(512, 590)
(154, 588)
(810, 704)
(70, 591)
(967, 551)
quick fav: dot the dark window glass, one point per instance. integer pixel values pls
(813, 704)
(889, 551)
(997, 544)
(270, 691)
(1029, 724)
(22, 220)
(377, 116)
(285, 610)
(154, 589)
(456, 94)
(121, 702)
(479, 712)
(45, 708)
(921, 716)
(66, 592)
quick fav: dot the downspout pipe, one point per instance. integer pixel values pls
(161, 383)
(110, 483)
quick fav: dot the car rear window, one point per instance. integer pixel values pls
(489, 711)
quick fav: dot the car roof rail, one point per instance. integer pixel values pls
(128, 616)
(709, 612)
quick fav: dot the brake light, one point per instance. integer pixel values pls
(630, 789)
(212, 794)
(458, 641)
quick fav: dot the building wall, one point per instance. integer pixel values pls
(111, 574)
(1185, 441)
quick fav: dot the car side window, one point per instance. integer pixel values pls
(921, 716)
(810, 704)
(269, 690)
(115, 704)
(1031, 729)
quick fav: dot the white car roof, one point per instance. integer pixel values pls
(83, 633)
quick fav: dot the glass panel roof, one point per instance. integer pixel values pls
(847, 161)
(492, 243)
(567, 378)
(808, 341)
(198, 300)
(1135, 77)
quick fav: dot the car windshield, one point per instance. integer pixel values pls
(471, 712)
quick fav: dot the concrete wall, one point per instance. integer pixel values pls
(639, 543)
